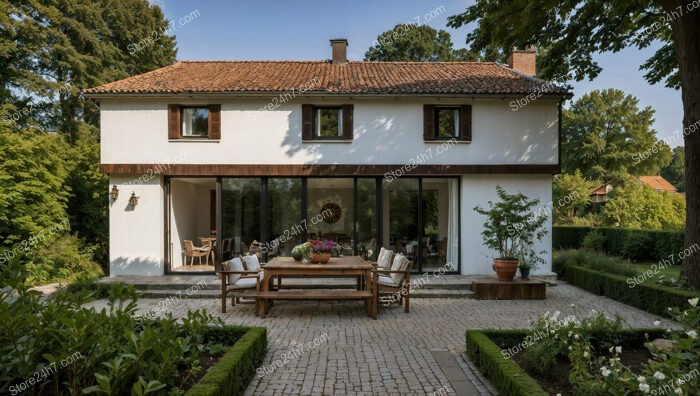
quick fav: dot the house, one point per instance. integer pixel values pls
(658, 183)
(369, 154)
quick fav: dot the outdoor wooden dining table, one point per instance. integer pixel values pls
(353, 266)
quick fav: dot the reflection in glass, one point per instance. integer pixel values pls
(240, 212)
(400, 211)
(284, 227)
(330, 211)
(366, 225)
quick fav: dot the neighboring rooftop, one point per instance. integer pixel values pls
(658, 183)
(324, 77)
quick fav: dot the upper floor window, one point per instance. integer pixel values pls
(195, 122)
(447, 122)
(330, 123)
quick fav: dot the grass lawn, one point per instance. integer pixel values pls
(671, 271)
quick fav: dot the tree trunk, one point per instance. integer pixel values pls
(686, 33)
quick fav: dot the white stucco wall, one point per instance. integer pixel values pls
(136, 233)
(478, 190)
(385, 132)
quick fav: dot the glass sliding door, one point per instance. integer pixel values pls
(440, 217)
(284, 227)
(400, 213)
(240, 212)
(366, 219)
(330, 211)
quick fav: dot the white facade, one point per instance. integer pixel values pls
(386, 132)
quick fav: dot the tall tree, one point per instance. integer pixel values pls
(570, 194)
(606, 136)
(571, 32)
(417, 43)
(637, 205)
(675, 171)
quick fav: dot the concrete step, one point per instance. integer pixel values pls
(214, 294)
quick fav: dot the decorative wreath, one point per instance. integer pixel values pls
(335, 212)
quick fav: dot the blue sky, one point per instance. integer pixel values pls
(300, 30)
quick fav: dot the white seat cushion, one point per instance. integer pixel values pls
(252, 263)
(384, 259)
(400, 263)
(386, 280)
(245, 283)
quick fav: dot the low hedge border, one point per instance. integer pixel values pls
(232, 373)
(508, 377)
(484, 347)
(649, 297)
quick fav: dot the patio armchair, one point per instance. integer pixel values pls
(195, 251)
(237, 282)
(394, 283)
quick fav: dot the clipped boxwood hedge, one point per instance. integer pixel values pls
(232, 373)
(662, 243)
(506, 375)
(649, 297)
(484, 347)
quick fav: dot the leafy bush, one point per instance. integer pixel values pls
(64, 259)
(111, 352)
(649, 297)
(593, 260)
(594, 240)
(621, 242)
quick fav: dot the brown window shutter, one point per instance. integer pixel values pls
(215, 122)
(465, 123)
(428, 122)
(307, 122)
(173, 121)
(347, 121)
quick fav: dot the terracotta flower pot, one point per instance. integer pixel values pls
(319, 258)
(505, 269)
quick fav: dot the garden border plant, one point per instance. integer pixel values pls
(648, 296)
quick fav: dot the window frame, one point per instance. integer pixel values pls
(457, 122)
(182, 112)
(316, 126)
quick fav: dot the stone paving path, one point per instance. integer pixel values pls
(332, 348)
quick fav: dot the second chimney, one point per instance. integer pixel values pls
(523, 61)
(340, 51)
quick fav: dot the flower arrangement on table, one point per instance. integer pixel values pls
(212, 233)
(320, 250)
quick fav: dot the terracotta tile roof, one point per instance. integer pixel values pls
(352, 78)
(658, 183)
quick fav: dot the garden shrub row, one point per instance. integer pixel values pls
(232, 373)
(485, 347)
(647, 296)
(508, 377)
(638, 245)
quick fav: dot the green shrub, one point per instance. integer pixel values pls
(647, 296)
(594, 240)
(622, 242)
(506, 375)
(115, 352)
(593, 260)
(63, 259)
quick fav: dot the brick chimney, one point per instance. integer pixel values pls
(340, 51)
(523, 61)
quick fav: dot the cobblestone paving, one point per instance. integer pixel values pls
(334, 349)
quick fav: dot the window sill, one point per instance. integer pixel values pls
(327, 141)
(449, 141)
(193, 140)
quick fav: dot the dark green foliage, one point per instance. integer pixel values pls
(647, 296)
(232, 373)
(675, 171)
(507, 376)
(114, 351)
(639, 245)
(417, 43)
(594, 241)
(593, 260)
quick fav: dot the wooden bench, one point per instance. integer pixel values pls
(265, 296)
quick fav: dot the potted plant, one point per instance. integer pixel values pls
(528, 260)
(511, 225)
(320, 250)
(300, 252)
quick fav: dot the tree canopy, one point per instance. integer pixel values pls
(637, 205)
(675, 171)
(416, 43)
(606, 136)
(570, 194)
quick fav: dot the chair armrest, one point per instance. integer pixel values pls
(239, 272)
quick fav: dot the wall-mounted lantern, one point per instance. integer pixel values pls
(114, 193)
(134, 200)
